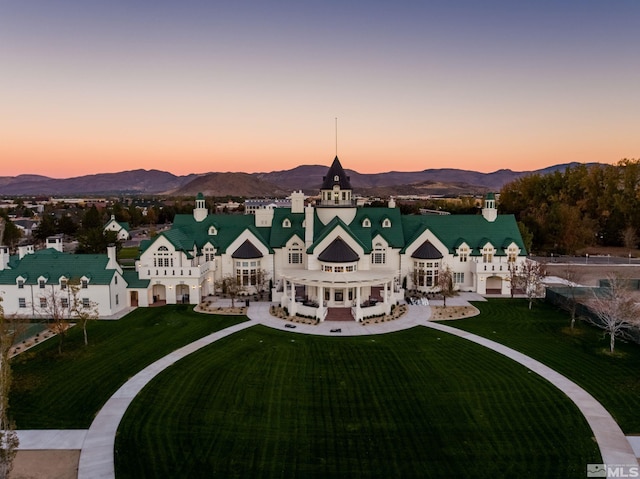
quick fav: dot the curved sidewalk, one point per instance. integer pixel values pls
(97, 454)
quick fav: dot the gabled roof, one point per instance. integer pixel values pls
(279, 235)
(474, 230)
(187, 232)
(247, 251)
(324, 231)
(393, 236)
(133, 281)
(336, 171)
(338, 252)
(427, 251)
(52, 264)
(123, 224)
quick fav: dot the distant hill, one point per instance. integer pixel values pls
(276, 183)
(230, 184)
(125, 182)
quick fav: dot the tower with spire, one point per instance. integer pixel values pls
(336, 188)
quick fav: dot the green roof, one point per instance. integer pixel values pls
(133, 281)
(451, 230)
(53, 265)
(474, 230)
(187, 232)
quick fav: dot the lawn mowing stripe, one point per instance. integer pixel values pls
(81, 380)
(412, 408)
(543, 334)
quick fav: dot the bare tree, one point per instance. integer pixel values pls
(445, 283)
(231, 286)
(56, 309)
(514, 279)
(530, 276)
(573, 277)
(82, 309)
(615, 307)
(262, 280)
(8, 437)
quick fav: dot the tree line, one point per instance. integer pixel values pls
(584, 205)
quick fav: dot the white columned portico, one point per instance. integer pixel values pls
(292, 300)
(321, 307)
(320, 282)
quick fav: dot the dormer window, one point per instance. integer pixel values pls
(366, 223)
(386, 223)
(286, 223)
(463, 254)
(212, 231)
(41, 283)
(336, 178)
(21, 284)
(487, 253)
(85, 283)
(63, 284)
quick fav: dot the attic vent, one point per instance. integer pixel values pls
(366, 223)
(212, 231)
(286, 223)
(386, 223)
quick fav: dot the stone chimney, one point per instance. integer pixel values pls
(4, 257)
(111, 253)
(308, 226)
(55, 242)
(25, 250)
(297, 202)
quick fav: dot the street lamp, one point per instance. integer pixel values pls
(586, 261)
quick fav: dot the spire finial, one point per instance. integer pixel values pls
(336, 136)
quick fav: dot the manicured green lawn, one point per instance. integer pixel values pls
(417, 403)
(130, 252)
(65, 392)
(543, 333)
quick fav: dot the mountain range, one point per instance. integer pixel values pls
(443, 181)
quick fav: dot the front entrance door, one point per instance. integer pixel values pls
(338, 296)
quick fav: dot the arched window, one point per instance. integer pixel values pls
(295, 254)
(379, 256)
(286, 223)
(366, 223)
(386, 223)
(212, 230)
(163, 258)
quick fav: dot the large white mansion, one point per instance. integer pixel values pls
(329, 255)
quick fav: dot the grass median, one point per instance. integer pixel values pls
(416, 403)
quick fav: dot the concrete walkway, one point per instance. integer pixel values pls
(97, 443)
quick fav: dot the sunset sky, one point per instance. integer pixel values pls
(206, 85)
